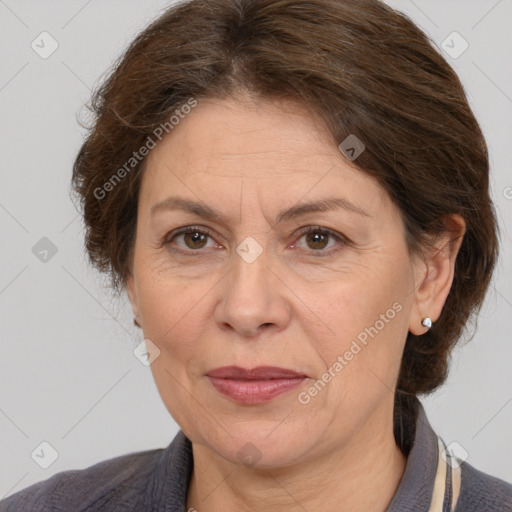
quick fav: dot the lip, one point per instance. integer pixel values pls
(254, 386)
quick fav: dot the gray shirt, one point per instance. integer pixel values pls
(157, 480)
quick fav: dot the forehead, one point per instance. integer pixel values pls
(246, 129)
(279, 150)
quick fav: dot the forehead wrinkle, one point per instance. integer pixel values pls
(205, 211)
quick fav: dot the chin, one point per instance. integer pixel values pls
(257, 447)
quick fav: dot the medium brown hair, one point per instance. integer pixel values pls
(360, 66)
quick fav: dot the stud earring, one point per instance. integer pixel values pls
(426, 322)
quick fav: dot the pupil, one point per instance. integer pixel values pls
(317, 238)
(197, 238)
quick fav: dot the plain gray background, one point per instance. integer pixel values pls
(68, 373)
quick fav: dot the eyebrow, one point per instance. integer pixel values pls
(203, 210)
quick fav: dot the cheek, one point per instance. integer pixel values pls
(173, 318)
(176, 312)
(356, 300)
(171, 313)
(162, 292)
(368, 319)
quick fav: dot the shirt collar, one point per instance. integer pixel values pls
(414, 491)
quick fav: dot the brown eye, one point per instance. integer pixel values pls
(317, 240)
(189, 239)
(195, 239)
(321, 242)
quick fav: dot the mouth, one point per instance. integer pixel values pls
(255, 386)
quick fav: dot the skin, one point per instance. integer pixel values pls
(207, 307)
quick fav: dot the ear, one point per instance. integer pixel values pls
(434, 273)
(132, 294)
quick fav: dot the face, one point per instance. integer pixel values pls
(326, 292)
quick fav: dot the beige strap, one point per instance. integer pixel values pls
(456, 483)
(439, 491)
(436, 505)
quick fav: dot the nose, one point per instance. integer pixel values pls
(254, 298)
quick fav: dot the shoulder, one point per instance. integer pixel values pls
(122, 479)
(481, 492)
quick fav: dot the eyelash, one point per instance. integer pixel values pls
(310, 229)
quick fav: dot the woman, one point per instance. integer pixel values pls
(294, 195)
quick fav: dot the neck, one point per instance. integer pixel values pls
(361, 476)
